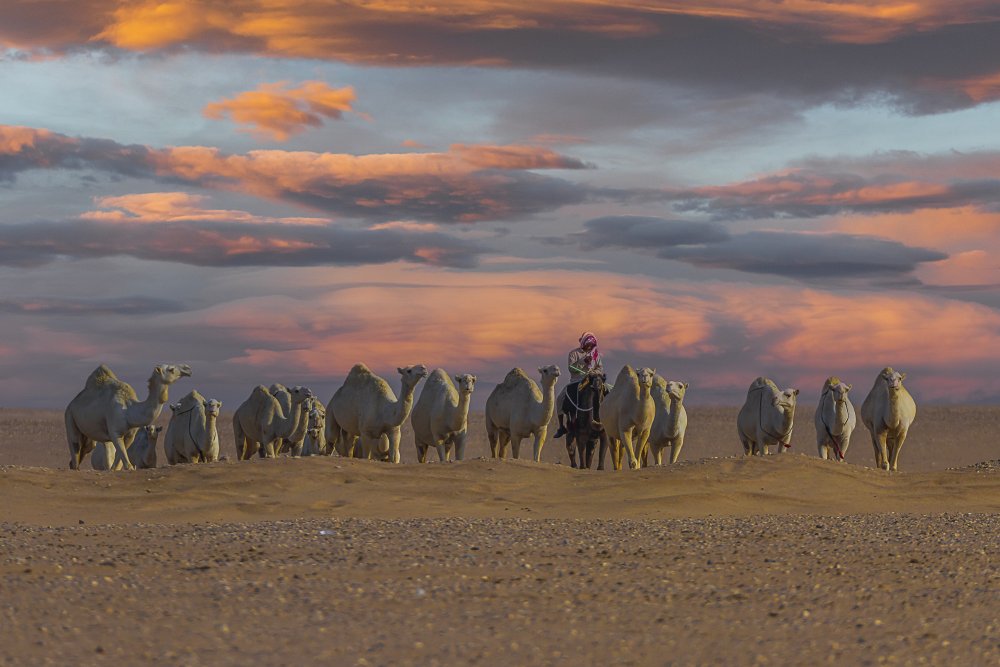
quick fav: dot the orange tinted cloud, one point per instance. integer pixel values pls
(171, 206)
(467, 183)
(278, 111)
(712, 335)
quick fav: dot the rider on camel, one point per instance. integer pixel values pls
(582, 360)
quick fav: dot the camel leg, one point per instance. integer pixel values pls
(604, 446)
(616, 453)
(539, 443)
(515, 446)
(394, 437)
(442, 450)
(633, 460)
(504, 446)
(747, 445)
(823, 450)
(572, 445)
(122, 454)
(422, 450)
(459, 444)
(675, 448)
(883, 451)
(494, 437)
(897, 446)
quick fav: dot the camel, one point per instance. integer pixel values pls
(108, 410)
(766, 418)
(585, 430)
(315, 442)
(142, 451)
(670, 422)
(627, 414)
(440, 418)
(888, 412)
(366, 409)
(259, 422)
(517, 409)
(835, 420)
(192, 436)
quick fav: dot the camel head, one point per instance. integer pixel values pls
(676, 390)
(212, 407)
(170, 373)
(152, 432)
(646, 376)
(316, 417)
(549, 374)
(466, 383)
(313, 433)
(838, 390)
(893, 379)
(785, 401)
(300, 394)
(412, 374)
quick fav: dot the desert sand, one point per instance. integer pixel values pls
(717, 560)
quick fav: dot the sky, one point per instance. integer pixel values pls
(274, 190)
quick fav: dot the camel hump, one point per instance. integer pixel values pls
(627, 375)
(260, 392)
(515, 379)
(438, 377)
(191, 399)
(104, 378)
(359, 370)
(764, 383)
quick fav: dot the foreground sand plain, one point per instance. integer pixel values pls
(788, 560)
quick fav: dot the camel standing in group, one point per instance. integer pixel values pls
(366, 409)
(518, 409)
(315, 443)
(835, 420)
(670, 423)
(440, 418)
(192, 434)
(259, 423)
(108, 410)
(585, 431)
(766, 418)
(888, 412)
(627, 415)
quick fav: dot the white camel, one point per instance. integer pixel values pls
(259, 422)
(766, 418)
(366, 408)
(440, 418)
(835, 420)
(108, 410)
(670, 423)
(888, 412)
(518, 409)
(627, 414)
(315, 442)
(192, 434)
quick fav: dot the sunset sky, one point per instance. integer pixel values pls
(273, 190)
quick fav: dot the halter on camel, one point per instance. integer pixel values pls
(833, 439)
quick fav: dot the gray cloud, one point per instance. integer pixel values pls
(218, 244)
(131, 305)
(799, 255)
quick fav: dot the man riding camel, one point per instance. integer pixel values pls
(582, 360)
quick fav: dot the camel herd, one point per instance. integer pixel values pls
(641, 414)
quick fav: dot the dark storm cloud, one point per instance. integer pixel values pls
(132, 305)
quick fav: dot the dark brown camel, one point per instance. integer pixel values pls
(583, 406)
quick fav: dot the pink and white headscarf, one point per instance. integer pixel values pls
(588, 338)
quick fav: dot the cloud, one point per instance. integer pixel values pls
(468, 183)
(278, 111)
(167, 227)
(800, 255)
(126, 306)
(825, 51)
(897, 181)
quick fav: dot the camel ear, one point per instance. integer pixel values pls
(902, 376)
(400, 370)
(458, 378)
(685, 385)
(795, 392)
(541, 368)
(652, 371)
(849, 387)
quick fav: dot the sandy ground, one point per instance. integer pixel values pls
(781, 561)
